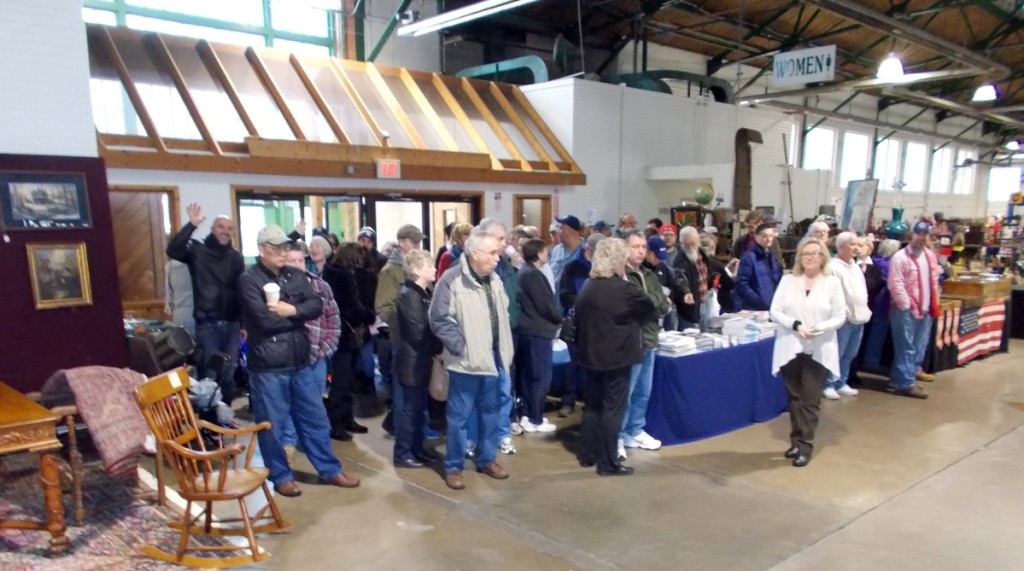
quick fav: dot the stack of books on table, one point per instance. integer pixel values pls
(675, 344)
(747, 330)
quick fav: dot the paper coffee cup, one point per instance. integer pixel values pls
(273, 292)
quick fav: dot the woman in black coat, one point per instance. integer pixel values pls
(609, 314)
(340, 275)
(414, 359)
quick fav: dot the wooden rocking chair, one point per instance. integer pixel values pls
(206, 476)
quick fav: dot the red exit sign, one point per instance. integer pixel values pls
(389, 168)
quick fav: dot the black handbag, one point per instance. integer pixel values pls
(569, 328)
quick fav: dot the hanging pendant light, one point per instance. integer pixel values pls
(986, 92)
(891, 68)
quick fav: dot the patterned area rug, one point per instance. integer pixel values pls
(109, 539)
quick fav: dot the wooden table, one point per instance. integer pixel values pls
(28, 427)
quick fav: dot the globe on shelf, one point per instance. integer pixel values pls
(704, 194)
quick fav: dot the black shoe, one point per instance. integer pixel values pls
(409, 463)
(356, 428)
(616, 471)
(792, 452)
(801, 460)
(566, 411)
(341, 434)
(585, 463)
(427, 456)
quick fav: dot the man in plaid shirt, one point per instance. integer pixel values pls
(323, 333)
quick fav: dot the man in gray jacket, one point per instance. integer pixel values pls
(469, 314)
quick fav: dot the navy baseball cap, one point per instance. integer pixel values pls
(570, 221)
(922, 227)
(659, 247)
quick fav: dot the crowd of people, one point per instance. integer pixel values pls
(486, 310)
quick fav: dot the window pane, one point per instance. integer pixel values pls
(854, 163)
(91, 16)
(942, 171)
(1002, 182)
(915, 167)
(301, 47)
(298, 17)
(298, 99)
(188, 30)
(159, 94)
(887, 162)
(266, 116)
(248, 12)
(963, 176)
(818, 149)
(216, 108)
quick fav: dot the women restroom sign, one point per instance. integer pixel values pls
(804, 66)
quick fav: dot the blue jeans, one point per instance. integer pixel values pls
(464, 393)
(214, 336)
(909, 343)
(319, 371)
(278, 396)
(849, 336)
(874, 342)
(409, 424)
(536, 374)
(641, 377)
(505, 402)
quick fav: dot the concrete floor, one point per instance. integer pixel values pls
(895, 483)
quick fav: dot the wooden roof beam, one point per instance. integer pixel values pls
(156, 45)
(463, 119)
(130, 89)
(268, 82)
(481, 107)
(318, 98)
(216, 68)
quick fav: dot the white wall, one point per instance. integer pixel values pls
(44, 71)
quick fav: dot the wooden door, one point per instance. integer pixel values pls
(142, 220)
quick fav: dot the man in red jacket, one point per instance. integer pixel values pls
(914, 288)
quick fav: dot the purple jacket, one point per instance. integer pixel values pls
(878, 289)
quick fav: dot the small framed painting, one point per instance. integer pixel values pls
(41, 201)
(60, 275)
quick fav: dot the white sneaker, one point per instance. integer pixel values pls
(629, 442)
(506, 446)
(516, 428)
(830, 394)
(847, 390)
(621, 451)
(470, 450)
(544, 425)
(648, 442)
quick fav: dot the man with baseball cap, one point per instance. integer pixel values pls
(670, 234)
(276, 302)
(657, 261)
(570, 228)
(389, 285)
(574, 275)
(914, 289)
(604, 228)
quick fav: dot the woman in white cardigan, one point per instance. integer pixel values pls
(809, 307)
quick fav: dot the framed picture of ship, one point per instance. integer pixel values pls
(41, 201)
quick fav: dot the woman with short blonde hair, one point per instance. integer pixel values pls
(809, 307)
(609, 311)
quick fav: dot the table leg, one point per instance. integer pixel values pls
(57, 525)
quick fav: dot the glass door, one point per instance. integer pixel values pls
(387, 213)
(256, 212)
